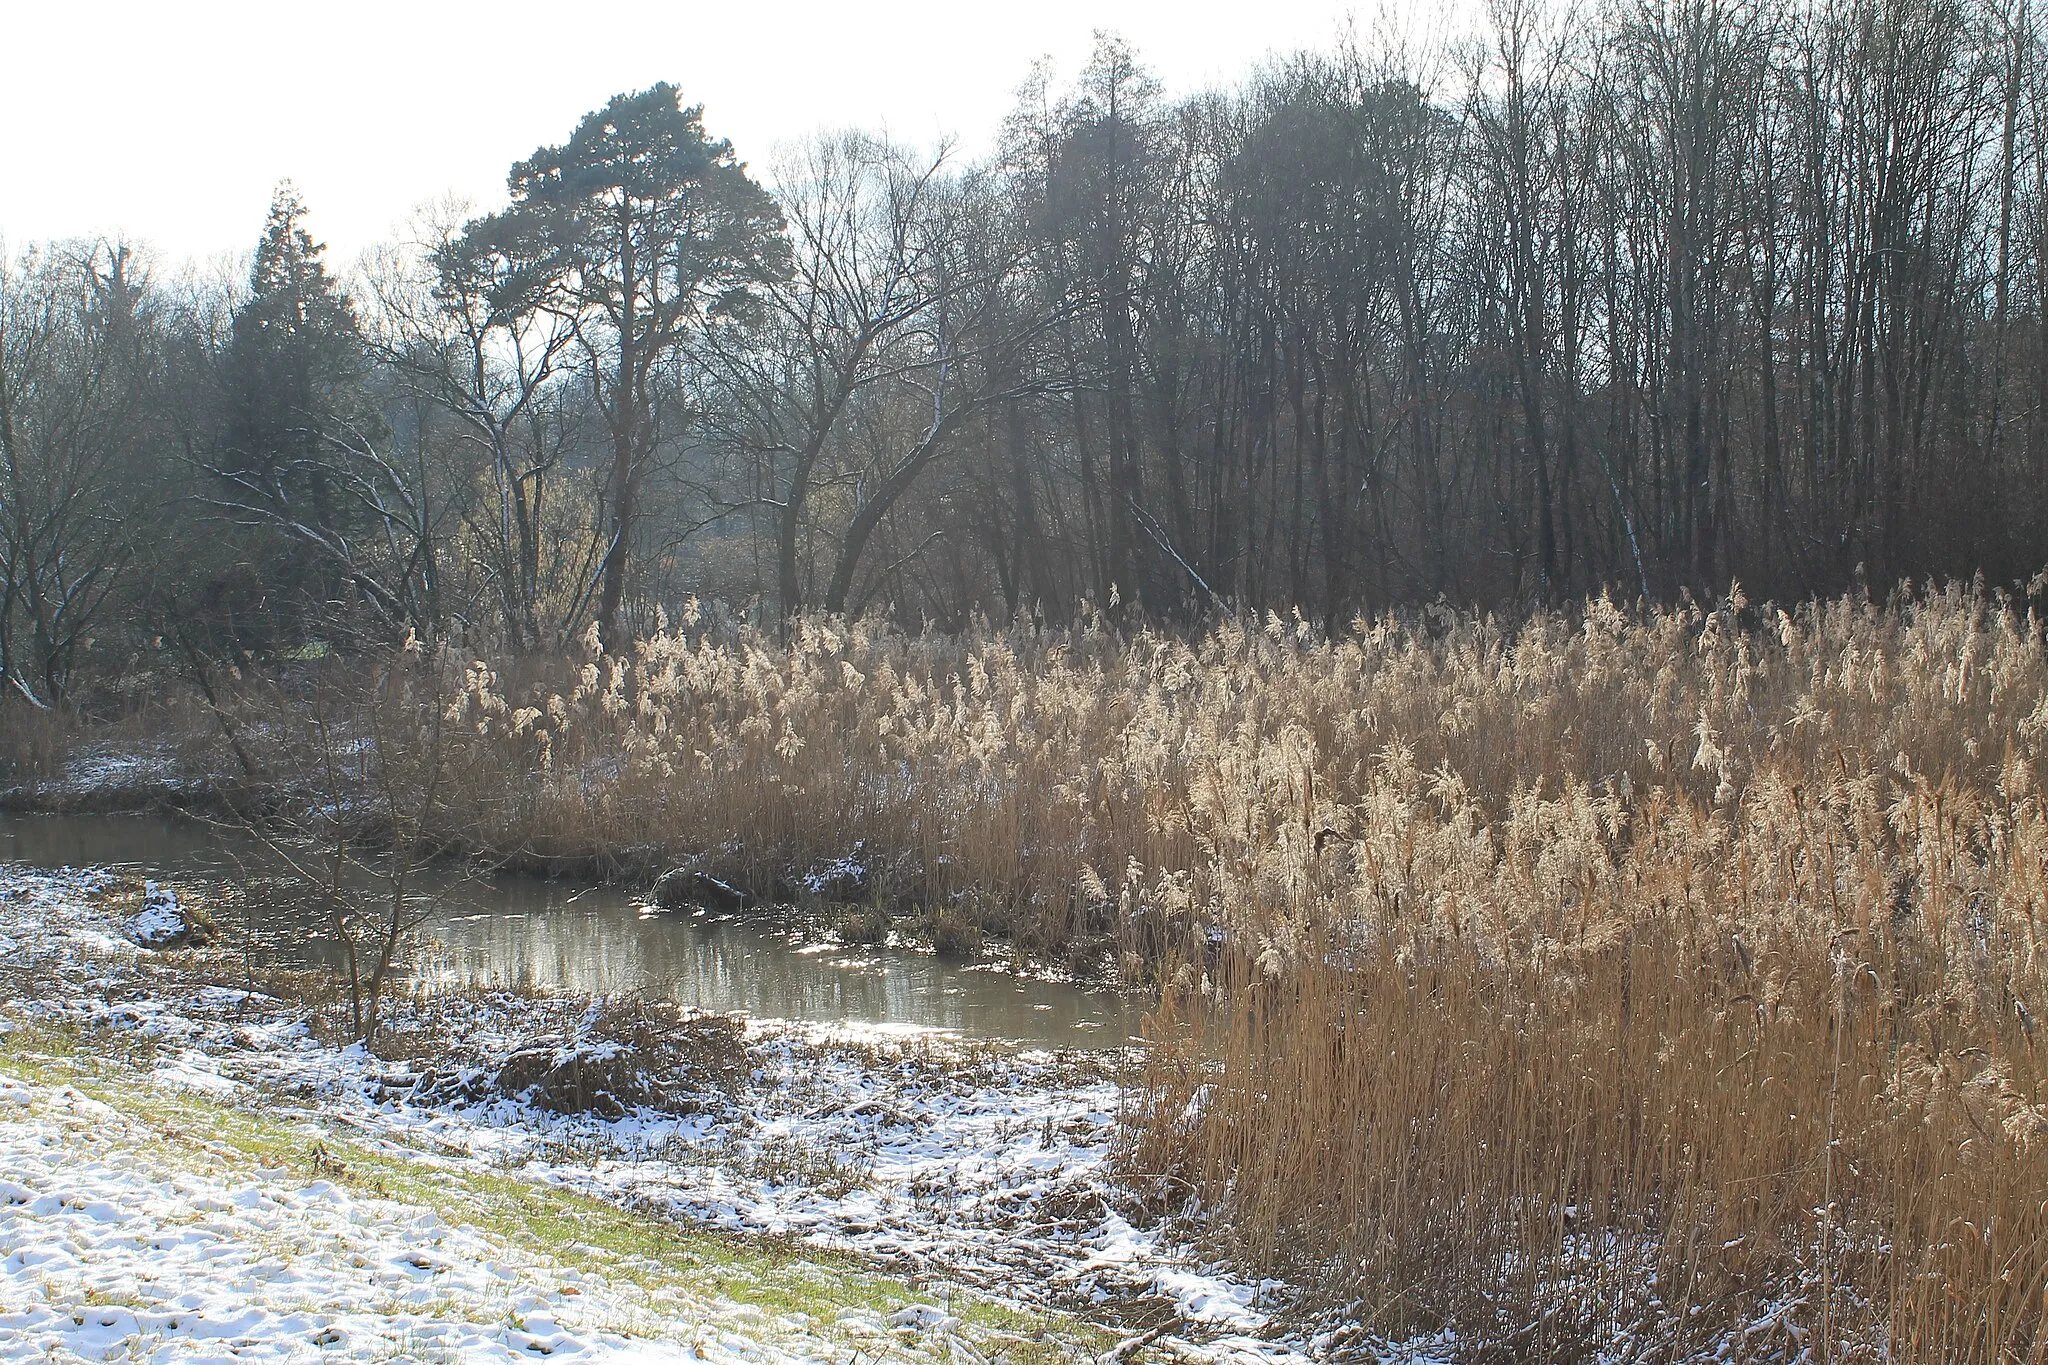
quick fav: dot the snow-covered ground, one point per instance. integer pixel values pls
(115, 1244)
(122, 775)
(972, 1167)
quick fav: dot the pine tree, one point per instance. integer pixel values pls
(655, 232)
(294, 388)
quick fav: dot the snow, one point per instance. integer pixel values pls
(194, 1070)
(845, 878)
(95, 772)
(112, 1247)
(985, 1168)
(161, 921)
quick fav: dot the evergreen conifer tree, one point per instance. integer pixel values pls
(294, 386)
(654, 231)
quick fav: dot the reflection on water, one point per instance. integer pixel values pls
(525, 931)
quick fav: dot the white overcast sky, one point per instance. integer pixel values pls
(170, 122)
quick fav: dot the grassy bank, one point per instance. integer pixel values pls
(1643, 984)
(539, 1225)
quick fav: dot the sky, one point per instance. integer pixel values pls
(170, 123)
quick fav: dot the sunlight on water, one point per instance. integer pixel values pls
(535, 934)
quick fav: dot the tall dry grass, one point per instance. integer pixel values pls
(1638, 984)
(1616, 1035)
(32, 741)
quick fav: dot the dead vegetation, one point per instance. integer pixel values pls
(1640, 982)
(1657, 988)
(605, 1057)
(180, 920)
(629, 1055)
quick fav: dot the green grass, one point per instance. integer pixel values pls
(545, 1223)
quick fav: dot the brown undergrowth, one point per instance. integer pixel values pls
(1636, 982)
(1650, 1145)
(1730, 1052)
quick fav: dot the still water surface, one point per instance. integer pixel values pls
(557, 935)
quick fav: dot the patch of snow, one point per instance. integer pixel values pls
(161, 921)
(991, 1168)
(194, 1070)
(105, 1255)
(842, 879)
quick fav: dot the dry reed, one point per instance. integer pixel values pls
(1631, 983)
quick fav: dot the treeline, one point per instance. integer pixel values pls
(1650, 296)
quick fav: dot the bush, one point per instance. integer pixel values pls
(631, 1056)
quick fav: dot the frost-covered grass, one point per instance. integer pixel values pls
(847, 1182)
(108, 1167)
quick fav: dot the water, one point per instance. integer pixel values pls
(532, 933)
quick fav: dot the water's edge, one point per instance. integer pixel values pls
(559, 935)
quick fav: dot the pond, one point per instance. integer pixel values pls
(533, 933)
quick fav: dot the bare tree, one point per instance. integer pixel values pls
(362, 759)
(76, 391)
(897, 325)
(474, 325)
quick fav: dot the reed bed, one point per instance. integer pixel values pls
(1626, 983)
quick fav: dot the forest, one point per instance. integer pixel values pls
(1652, 301)
(1492, 583)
